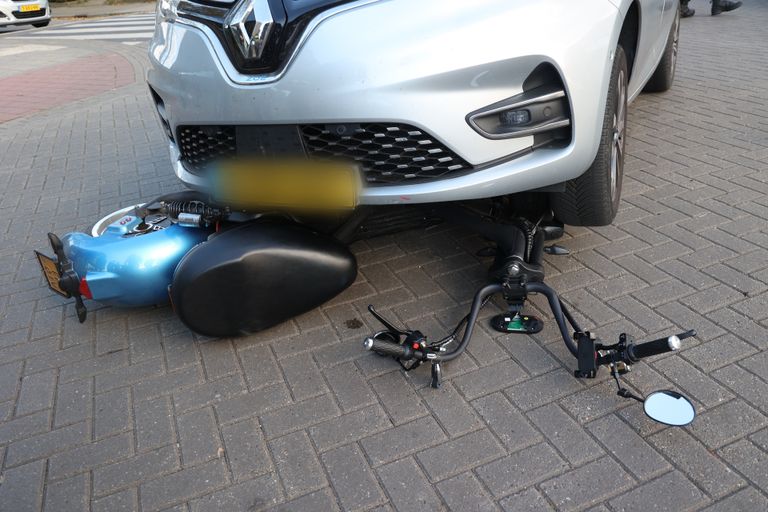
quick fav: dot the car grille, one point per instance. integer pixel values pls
(387, 153)
(29, 14)
(203, 145)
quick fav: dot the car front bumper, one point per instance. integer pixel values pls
(10, 13)
(429, 72)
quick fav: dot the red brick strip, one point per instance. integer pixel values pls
(52, 86)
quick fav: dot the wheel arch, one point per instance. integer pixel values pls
(629, 36)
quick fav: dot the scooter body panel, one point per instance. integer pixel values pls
(123, 268)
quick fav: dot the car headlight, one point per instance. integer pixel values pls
(166, 9)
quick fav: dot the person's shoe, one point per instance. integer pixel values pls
(687, 12)
(719, 6)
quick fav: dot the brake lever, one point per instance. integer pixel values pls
(383, 321)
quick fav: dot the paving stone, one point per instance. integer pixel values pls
(746, 499)
(9, 380)
(352, 479)
(219, 359)
(408, 488)
(198, 436)
(621, 441)
(593, 402)
(90, 456)
(146, 466)
(565, 434)
(299, 415)
(36, 393)
(25, 426)
(166, 384)
(73, 402)
(44, 445)
(400, 400)
(697, 384)
(488, 379)
(748, 460)
(460, 454)
(180, 486)
(153, 424)
(349, 386)
(318, 500)
(453, 413)
(112, 413)
(297, 464)
(252, 496)
(748, 385)
(506, 422)
(70, 494)
(541, 390)
(208, 393)
(402, 440)
(718, 353)
(260, 401)
(259, 366)
(22, 487)
(129, 375)
(712, 298)
(350, 427)
(697, 462)
(727, 423)
(246, 449)
(123, 501)
(587, 485)
(521, 469)
(534, 359)
(303, 377)
(670, 492)
(530, 500)
(743, 327)
(464, 492)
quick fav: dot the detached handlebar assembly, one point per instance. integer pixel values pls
(515, 274)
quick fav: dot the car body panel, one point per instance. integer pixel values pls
(428, 69)
(9, 9)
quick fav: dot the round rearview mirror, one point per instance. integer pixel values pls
(670, 408)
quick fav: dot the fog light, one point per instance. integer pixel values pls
(515, 117)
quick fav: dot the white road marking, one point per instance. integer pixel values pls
(130, 30)
(26, 48)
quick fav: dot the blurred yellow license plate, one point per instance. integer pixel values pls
(29, 7)
(296, 184)
(51, 273)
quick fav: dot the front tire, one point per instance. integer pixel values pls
(664, 76)
(592, 199)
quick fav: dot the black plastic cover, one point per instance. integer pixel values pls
(258, 275)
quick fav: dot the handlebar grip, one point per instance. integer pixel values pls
(384, 347)
(659, 346)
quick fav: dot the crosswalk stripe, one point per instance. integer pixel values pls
(125, 29)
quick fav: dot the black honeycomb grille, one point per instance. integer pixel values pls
(203, 145)
(386, 153)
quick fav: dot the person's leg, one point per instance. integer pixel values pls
(719, 6)
(685, 11)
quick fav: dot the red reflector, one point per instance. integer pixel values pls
(416, 346)
(84, 290)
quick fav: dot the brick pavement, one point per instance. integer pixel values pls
(130, 411)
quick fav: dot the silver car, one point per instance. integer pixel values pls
(25, 12)
(433, 100)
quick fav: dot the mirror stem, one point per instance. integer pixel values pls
(624, 392)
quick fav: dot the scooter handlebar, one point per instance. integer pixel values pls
(659, 346)
(386, 347)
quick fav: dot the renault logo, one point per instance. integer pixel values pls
(250, 24)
